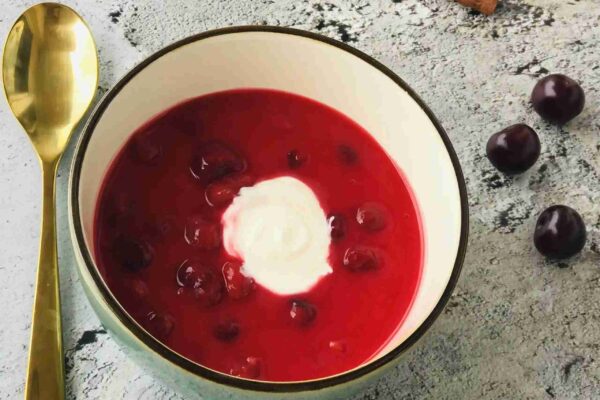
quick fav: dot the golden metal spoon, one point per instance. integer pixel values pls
(50, 74)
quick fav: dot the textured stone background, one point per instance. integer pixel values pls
(518, 327)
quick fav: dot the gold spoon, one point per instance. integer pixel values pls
(50, 74)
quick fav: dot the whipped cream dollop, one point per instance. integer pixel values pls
(279, 230)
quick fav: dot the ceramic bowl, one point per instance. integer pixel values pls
(312, 66)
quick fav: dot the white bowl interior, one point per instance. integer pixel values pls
(316, 70)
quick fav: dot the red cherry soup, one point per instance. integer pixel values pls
(159, 247)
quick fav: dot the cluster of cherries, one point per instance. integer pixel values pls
(371, 216)
(560, 231)
(223, 173)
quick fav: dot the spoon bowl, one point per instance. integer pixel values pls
(50, 76)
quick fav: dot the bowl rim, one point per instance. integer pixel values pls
(195, 368)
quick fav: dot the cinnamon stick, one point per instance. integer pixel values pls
(485, 6)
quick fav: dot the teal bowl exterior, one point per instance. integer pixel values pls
(195, 381)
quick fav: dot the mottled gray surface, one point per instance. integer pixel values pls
(518, 327)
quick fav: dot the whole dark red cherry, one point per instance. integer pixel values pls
(296, 159)
(514, 150)
(222, 192)
(237, 284)
(214, 161)
(302, 312)
(209, 289)
(558, 98)
(347, 154)
(200, 279)
(338, 346)
(361, 258)
(189, 274)
(337, 226)
(201, 233)
(139, 288)
(371, 216)
(559, 232)
(227, 331)
(159, 325)
(132, 254)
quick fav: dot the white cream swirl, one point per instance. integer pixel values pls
(279, 230)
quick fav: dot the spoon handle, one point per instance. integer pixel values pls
(45, 372)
